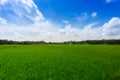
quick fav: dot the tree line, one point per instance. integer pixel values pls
(10, 42)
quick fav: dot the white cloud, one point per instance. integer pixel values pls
(2, 1)
(84, 16)
(94, 14)
(21, 12)
(51, 32)
(3, 21)
(65, 21)
(112, 28)
(28, 2)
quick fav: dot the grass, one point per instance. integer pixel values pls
(60, 62)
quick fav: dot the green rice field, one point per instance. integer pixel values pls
(60, 62)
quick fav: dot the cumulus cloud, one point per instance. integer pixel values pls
(51, 32)
(21, 12)
(112, 28)
(39, 28)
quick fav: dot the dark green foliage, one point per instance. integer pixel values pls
(3, 42)
(94, 42)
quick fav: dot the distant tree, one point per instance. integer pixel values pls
(3, 42)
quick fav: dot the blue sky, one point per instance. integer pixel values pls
(59, 20)
(71, 9)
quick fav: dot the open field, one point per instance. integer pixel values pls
(60, 62)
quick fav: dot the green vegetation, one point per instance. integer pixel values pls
(9, 42)
(60, 62)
